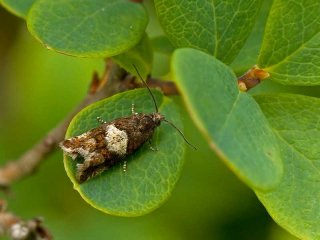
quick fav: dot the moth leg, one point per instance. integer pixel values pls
(133, 109)
(92, 166)
(124, 166)
(100, 120)
(151, 147)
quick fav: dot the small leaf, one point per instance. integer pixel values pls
(217, 27)
(151, 175)
(248, 55)
(88, 28)
(162, 44)
(294, 203)
(291, 45)
(141, 56)
(231, 120)
(18, 7)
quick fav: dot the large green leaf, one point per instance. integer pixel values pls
(18, 7)
(294, 203)
(88, 28)
(141, 56)
(217, 27)
(231, 120)
(151, 175)
(291, 45)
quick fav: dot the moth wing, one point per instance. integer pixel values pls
(81, 145)
(92, 166)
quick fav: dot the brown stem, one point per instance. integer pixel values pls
(114, 80)
(108, 85)
(252, 78)
(167, 87)
(13, 227)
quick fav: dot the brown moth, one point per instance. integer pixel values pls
(108, 144)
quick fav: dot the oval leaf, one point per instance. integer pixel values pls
(88, 28)
(151, 175)
(291, 46)
(217, 27)
(231, 120)
(294, 203)
(18, 7)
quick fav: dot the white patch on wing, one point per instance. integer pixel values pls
(116, 140)
(83, 152)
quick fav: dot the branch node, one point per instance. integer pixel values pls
(252, 78)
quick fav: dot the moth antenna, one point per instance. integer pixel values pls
(144, 82)
(170, 123)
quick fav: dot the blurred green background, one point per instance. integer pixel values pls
(38, 88)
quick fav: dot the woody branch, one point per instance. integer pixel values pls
(114, 80)
(29, 161)
(14, 227)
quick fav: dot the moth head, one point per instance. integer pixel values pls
(157, 118)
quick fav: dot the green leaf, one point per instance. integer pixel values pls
(151, 175)
(248, 55)
(162, 44)
(141, 56)
(18, 7)
(294, 203)
(291, 44)
(88, 28)
(217, 27)
(231, 120)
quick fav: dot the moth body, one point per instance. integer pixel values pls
(106, 145)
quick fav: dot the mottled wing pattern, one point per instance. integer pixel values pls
(93, 147)
(104, 146)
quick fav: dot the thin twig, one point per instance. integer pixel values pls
(167, 87)
(114, 80)
(15, 228)
(252, 78)
(108, 85)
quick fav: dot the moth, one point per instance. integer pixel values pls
(106, 145)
